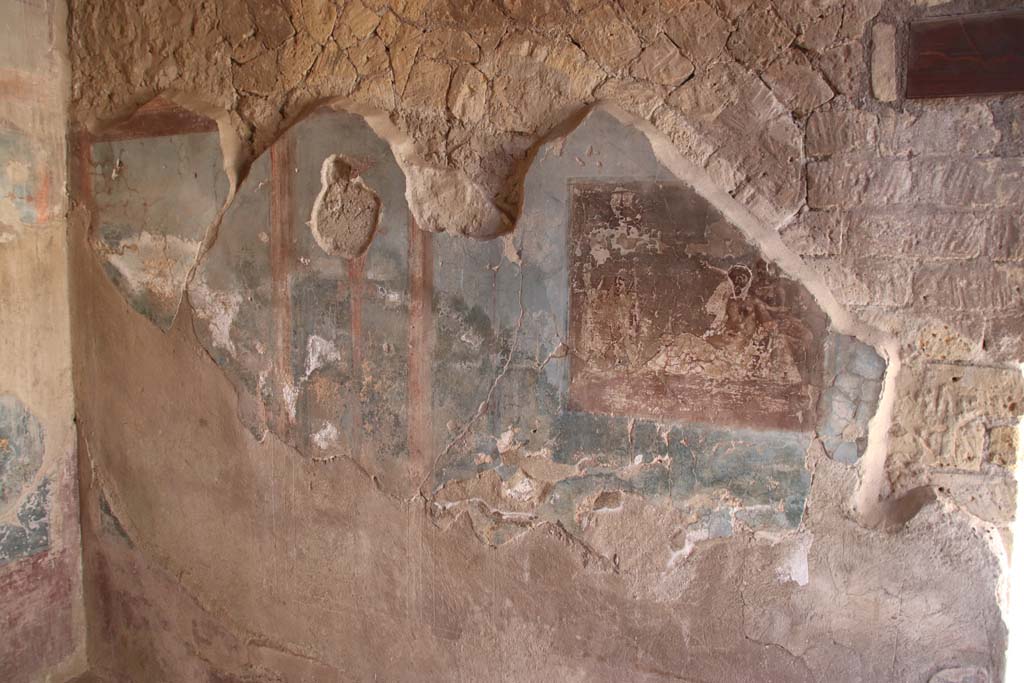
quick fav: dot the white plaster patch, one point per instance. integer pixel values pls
(694, 535)
(320, 352)
(290, 394)
(472, 339)
(326, 436)
(152, 264)
(520, 488)
(391, 297)
(794, 566)
(218, 309)
(507, 441)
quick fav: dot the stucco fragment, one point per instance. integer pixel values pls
(434, 193)
(149, 238)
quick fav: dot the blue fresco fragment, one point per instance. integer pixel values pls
(31, 534)
(853, 384)
(21, 180)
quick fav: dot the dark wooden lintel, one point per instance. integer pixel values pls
(975, 54)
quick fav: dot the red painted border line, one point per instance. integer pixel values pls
(421, 338)
(281, 154)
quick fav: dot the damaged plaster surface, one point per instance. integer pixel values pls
(24, 513)
(647, 502)
(42, 624)
(437, 393)
(690, 372)
(150, 237)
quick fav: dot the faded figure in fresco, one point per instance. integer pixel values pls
(755, 320)
(775, 311)
(735, 323)
(672, 314)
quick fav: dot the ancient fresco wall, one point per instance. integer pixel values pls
(329, 444)
(41, 619)
(495, 372)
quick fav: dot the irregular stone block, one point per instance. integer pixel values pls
(968, 183)
(637, 97)
(843, 67)
(961, 674)
(816, 24)
(519, 66)
(990, 497)
(918, 233)
(935, 129)
(661, 62)
(757, 142)
(883, 62)
(427, 87)
(841, 131)
(968, 286)
(867, 281)
(606, 38)
(815, 233)
(467, 94)
(796, 83)
(848, 184)
(1003, 445)
(942, 411)
(699, 31)
(450, 44)
(1004, 336)
(1005, 239)
(760, 35)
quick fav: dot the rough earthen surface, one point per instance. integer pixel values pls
(346, 212)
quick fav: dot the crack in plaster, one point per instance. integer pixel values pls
(485, 404)
(871, 499)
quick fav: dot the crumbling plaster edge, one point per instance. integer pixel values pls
(870, 498)
(872, 501)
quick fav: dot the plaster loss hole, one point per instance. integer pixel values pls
(346, 212)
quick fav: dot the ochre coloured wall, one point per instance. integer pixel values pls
(42, 621)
